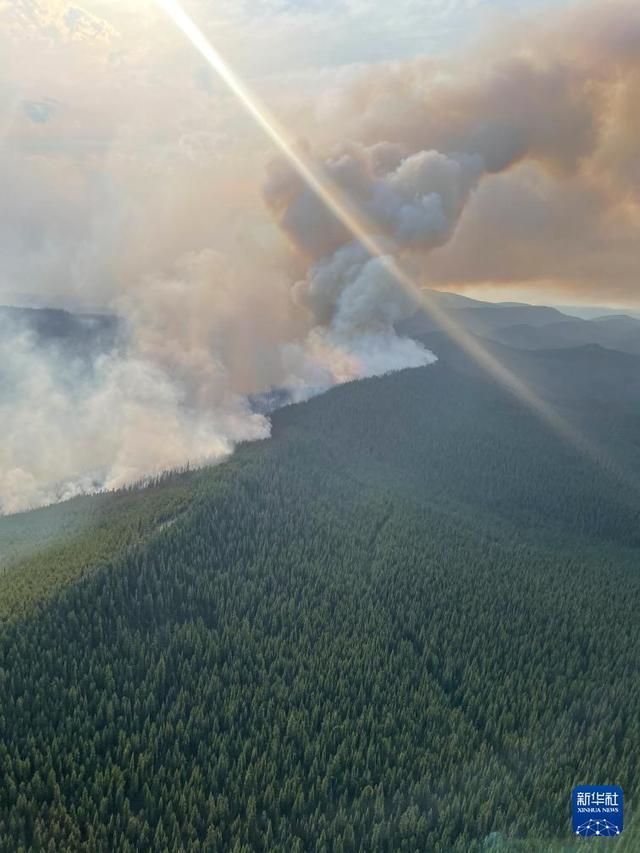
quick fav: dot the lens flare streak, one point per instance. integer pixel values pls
(363, 231)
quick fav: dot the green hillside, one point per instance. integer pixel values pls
(43, 550)
(407, 622)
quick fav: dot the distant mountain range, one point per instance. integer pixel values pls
(616, 332)
(531, 327)
(79, 334)
(592, 312)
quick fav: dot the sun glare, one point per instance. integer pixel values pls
(364, 232)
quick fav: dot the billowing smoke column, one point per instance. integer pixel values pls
(353, 298)
(551, 129)
(355, 302)
(412, 201)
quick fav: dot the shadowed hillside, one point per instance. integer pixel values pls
(618, 333)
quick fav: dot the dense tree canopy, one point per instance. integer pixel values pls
(408, 622)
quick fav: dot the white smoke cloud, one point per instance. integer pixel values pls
(356, 302)
(70, 428)
(422, 200)
(354, 299)
(327, 358)
(351, 291)
(173, 395)
(160, 400)
(167, 393)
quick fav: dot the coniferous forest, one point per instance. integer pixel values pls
(406, 622)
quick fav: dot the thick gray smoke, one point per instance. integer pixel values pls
(540, 134)
(355, 303)
(415, 200)
(412, 201)
(551, 107)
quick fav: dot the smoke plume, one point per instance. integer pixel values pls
(158, 400)
(355, 303)
(548, 111)
(513, 165)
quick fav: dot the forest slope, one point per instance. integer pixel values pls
(406, 622)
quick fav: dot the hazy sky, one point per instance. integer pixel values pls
(122, 151)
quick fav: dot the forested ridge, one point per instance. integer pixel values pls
(407, 622)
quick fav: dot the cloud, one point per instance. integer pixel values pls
(56, 19)
(519, 161)
(349, 290)
(525, 228)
